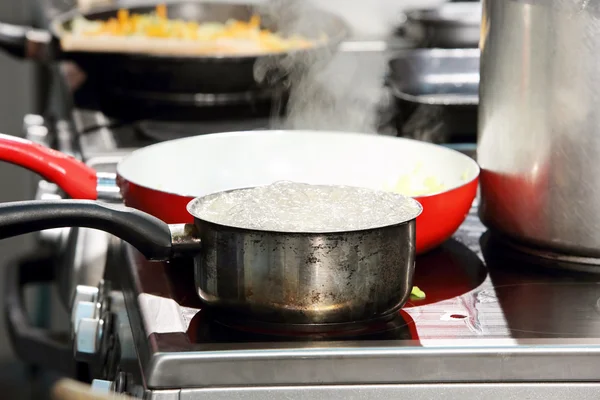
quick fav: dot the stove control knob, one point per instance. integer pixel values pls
(85, 305)
(88, 339)
(50, 191)
(101, 386)
(35, 129)
(47, 191)
(86, 293)
(83, 310)
(32, 120)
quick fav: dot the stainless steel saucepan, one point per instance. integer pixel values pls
(267, 276)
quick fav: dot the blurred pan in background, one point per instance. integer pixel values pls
(451, 25)
(437, 94)
(137, 75)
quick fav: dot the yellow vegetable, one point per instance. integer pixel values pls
(465, 176)
(161, 11)
(417, 293)
(233, 36)
(413, 185)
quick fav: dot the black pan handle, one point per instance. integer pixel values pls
(35, 346)
(150, 235)
(27, 42)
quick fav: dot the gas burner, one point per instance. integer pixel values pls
(135, 106)
(538, 258)
(375, 328)
(225, 329)
(191, 107)
(136, 134)
(201, 99)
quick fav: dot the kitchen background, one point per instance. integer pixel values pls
(17, 88)
(506, 307)
(18, 83)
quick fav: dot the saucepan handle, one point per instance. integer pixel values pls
(151, 236)
(34, 345)
(78, 180)
(27, 42)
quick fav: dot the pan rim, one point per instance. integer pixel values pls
(435, 15)
(57, 30)
(473, 165)
(408, 221)
(454, 100)
(408, 55)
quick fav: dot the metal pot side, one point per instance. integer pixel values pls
(538, 140)
(296, 278)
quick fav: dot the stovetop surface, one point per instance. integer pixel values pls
(500, 315)
(476, 288)
(486, 307)
(490, 314)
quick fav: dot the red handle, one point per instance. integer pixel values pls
(74, 177)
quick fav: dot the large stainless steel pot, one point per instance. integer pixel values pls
(277, 277)
(539, 123)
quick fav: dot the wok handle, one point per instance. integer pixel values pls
(34, 345)
(26, 42)
(78, 180)
(150, 235)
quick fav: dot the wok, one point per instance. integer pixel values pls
(150, 75)
(295, 278)
(163, 178)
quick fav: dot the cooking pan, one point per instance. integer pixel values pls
(150, 75)
(295, 278)
(437, 91)
(450, 25)
(163, 178)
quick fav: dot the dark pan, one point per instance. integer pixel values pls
(437, 91)
(450, 25)
(148, 73)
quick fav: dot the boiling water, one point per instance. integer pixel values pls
(299, 207)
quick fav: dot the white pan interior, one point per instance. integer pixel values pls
(206, 164)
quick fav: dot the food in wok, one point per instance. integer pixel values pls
(420, 183)
(155, 32)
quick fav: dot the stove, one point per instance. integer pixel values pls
(494, 324)
(490, 319)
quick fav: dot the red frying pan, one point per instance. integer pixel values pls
(161, 179)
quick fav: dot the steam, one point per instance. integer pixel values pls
(426, 123)
(329, 89)
(344, 96)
